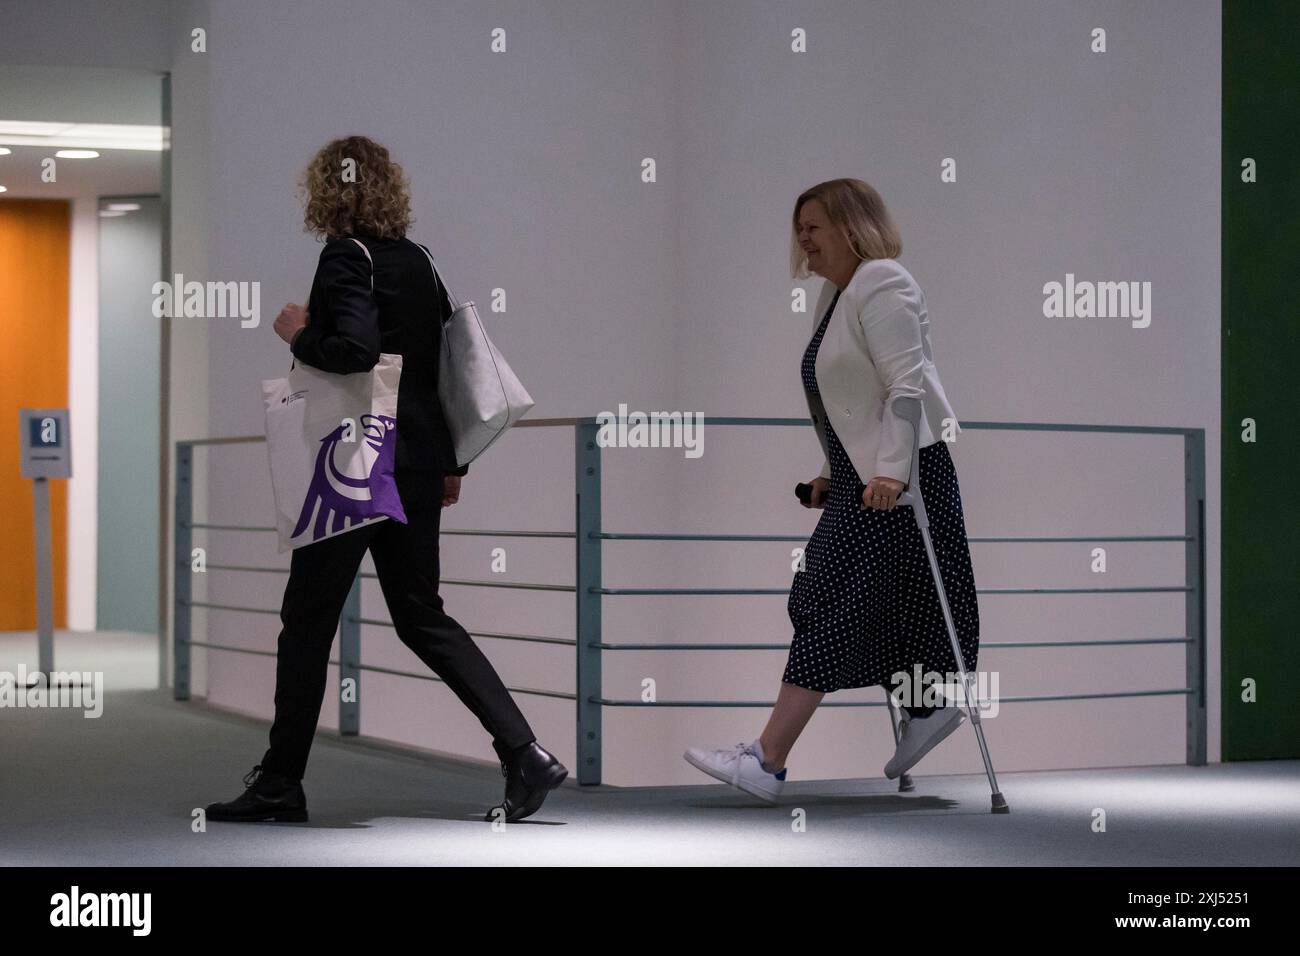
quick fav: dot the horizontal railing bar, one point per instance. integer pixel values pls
(516, 585)
(509, 534)
(973, 539)
(238, 567)
(733, 420)
(1150, 589)
(629, 536)
(665, 646)
(624, 536)
(466, 531)
(228, 440)
(558, 694)
(534, 638)
(497, 635)
(537, 692)
(984, 645)
(1059, 427)
(230, 607)
(367, 574)
(643, 591)
(786, 590)
(621, 536)
(1041, 539)
(231, 647)
(1107, 641)
(606, 702)
(226, 527)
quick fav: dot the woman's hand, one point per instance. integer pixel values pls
(450, 490)
(881, 493)
(818, 497)
(289, 321)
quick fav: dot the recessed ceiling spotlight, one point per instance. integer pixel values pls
(76, 154)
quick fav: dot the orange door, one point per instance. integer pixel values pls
(34, 244)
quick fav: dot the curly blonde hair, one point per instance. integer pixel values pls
(859, 213)
(371, 197)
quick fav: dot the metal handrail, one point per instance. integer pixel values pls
(589, 591)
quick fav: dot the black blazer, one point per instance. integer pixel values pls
(348, 326)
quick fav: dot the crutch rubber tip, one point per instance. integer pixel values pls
(1000, 804)
(905, 784)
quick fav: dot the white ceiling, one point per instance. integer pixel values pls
(115, 172)
(44, 94)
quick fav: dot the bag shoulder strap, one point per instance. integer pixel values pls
(451, 299)
(369, 259)
(294, 362)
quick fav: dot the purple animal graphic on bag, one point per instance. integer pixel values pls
(345, 499)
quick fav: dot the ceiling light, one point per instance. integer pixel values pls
(123, 206)
(83, 135)
(76, 154)
(22, 128)
(5, 151)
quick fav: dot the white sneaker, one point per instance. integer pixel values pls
(919, 735)
(741, 766)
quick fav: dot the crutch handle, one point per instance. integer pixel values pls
(908, 409)
(803, 491)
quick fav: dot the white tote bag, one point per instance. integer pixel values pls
(331, 440)
(480, 394)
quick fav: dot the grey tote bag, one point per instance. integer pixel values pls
(481, 396)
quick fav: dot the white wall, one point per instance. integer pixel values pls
(83, 406)
(1105, 166)
(108, 33)
(525, 172)
(676, 295)
(190, 230)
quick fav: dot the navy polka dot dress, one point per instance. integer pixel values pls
(865, 607)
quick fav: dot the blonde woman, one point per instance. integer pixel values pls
(374, 292)
(864, 608)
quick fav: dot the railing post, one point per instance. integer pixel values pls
(349, 662)
(586, 474)
(182, 573)
(1194, 559)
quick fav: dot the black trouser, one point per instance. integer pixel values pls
(406, 561)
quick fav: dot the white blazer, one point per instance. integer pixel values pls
(876, 348)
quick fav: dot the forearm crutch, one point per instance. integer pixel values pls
(909, 410)
(905, 784)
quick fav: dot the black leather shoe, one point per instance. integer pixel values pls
(531, 773)
(269, 796)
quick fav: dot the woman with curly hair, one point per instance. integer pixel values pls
(374, 292)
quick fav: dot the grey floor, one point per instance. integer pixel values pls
(120, 790)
